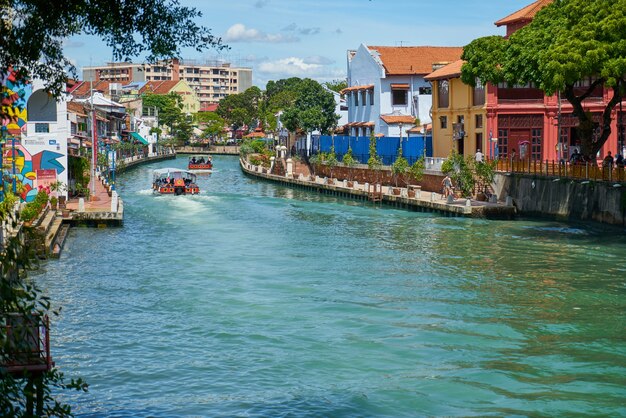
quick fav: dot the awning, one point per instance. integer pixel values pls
(399, 86)
(139, 138)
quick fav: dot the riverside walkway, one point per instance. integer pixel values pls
(422, 201)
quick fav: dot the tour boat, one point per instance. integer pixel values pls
(174, 181)
(200, 163)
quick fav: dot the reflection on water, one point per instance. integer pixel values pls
(252, 299)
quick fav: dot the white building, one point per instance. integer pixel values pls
(386, 88)
(42, 150)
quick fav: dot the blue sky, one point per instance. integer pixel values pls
(309, 38)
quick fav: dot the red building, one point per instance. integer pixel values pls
(524, 119)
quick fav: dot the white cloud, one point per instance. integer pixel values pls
(239, 33)
(297, 67)
(318, 59)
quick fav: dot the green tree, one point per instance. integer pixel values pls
(400, 166)
(313, 109)
(212, 124)
(568, 42)
(336, 85)
(461, 171)
(33, 31)
(169, 106)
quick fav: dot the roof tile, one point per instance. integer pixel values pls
(526, 13)
(403, 60)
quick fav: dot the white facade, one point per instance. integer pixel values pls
(365, 68)
(44, 142)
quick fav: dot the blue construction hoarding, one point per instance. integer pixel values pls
(413, 147)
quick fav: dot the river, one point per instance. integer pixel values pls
(255, 300)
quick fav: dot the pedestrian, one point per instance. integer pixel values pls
(608, 161)
(447, 186)
(479, 156)
(513, 154)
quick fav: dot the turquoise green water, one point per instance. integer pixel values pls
(254, 300)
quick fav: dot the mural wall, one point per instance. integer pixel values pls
(34, 151)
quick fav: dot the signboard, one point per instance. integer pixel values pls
(45, 178)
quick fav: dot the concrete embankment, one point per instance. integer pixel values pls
(565, 198)
(421, 201)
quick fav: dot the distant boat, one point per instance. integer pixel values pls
(174, 181)
(200, 163)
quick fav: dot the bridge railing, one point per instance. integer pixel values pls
(563, 169)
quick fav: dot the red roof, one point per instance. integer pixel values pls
(210, 107)
(352, 88)
(404, 60)
(83, 88)
(446, 72)
(393, 119)
(159, 87)
(526, 13)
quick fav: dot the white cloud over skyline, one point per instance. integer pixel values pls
(240, 33)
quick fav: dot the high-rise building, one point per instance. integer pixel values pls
(211, 80)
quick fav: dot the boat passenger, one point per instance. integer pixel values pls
(193, 160)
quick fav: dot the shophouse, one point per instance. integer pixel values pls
(514, 117)
(387, 91)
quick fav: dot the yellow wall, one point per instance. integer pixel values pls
(191, 103)
(460, 104)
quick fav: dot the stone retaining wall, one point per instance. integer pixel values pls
(565, 198)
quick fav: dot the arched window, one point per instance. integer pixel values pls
(41, 107)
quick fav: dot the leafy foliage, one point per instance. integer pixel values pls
(400, 166)
(567, 42)
(461, 171)
(19, 297)
(336, 85)
(374, 162)
(33, 31)
(416, 171)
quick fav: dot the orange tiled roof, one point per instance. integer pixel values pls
(212, 107)
(402, 60)
(158, 87)
(527, 13)
(391, 119)
(83, 88)
(352, 88)
(78, 108)
(452, 70)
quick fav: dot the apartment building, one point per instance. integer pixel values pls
(211, 80)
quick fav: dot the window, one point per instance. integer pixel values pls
(355, 94)
(535, 144)
(478, 94)
(371, 92)
(479, 121)
(42, 128)
(364, 97)
(443, 122)
(443, 98)
(425, 90)
(503, 142)
(399, 97)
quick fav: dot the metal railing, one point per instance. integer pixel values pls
(563, 169)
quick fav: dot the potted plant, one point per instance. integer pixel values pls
(399, 168)
(374, 163)
(349, 162)
(331, 162)
(53, 202)
(416, 172)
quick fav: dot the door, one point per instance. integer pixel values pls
(518, 141)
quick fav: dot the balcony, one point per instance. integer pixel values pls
(27, 349)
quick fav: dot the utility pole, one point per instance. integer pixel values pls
(94, 142)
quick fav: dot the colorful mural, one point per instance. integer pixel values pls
(14, 94)
(40, 158)
(32, 172)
